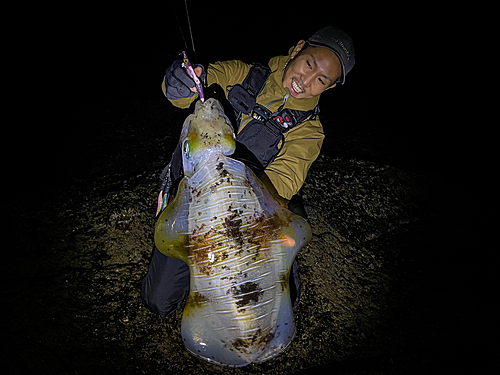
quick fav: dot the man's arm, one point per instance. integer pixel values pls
(289, 170)
(178, 87)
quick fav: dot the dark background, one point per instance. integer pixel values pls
(86, 99)
(89, 70)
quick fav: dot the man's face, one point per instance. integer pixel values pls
(311, 71)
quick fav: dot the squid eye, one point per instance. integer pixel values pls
(185, 148)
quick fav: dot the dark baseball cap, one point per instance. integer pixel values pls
(339, 43)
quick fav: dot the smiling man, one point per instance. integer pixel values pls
(311, 71)
(295, 83)
(279, 134)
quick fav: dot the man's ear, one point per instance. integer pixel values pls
(297, 48)
(331, 86)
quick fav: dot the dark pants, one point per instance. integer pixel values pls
(166, 284)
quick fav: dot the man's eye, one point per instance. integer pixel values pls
(319, 79)
(308, 64)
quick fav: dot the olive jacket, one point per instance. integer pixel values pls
(288, 171)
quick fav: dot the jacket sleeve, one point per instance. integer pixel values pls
(301, 148)
(225, 73)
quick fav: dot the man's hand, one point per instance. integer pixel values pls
(178, 84)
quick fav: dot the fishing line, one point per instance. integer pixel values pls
(190, 31)
(180, 29)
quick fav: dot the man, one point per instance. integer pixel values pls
(277, 128)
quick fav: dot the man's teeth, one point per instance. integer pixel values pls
(296, 87)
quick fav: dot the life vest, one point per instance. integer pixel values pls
(263, 136)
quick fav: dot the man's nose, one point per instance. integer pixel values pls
(306, 80)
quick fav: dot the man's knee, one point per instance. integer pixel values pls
(166, 284)
(159, 302)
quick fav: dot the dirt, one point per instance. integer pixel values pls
(392, 282)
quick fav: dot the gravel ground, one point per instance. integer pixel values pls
(390, 285)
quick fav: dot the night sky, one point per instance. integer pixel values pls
(88, 67)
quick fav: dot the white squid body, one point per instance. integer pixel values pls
(239, 244)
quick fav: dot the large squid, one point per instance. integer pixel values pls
(239, 244)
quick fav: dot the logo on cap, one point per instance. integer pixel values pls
(339, 42)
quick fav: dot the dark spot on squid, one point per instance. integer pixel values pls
(247, 292)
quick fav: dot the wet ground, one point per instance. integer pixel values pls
(388, 288)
